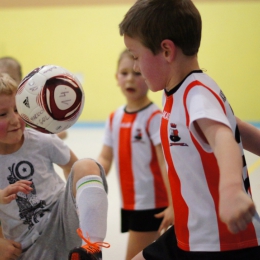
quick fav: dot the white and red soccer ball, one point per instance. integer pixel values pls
(50, 99)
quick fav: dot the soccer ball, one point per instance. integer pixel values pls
(50, 99)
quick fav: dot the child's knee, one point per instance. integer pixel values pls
(85, 167)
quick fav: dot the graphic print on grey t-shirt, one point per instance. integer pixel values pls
(30, 207)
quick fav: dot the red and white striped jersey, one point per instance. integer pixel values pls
(133, 137)
(193, 170)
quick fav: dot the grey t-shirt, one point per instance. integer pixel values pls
(24, 217)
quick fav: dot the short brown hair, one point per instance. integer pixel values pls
(8, 85)
(152, 21)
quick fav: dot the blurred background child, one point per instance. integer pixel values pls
(132, 139)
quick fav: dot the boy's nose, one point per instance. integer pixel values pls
(15, 119)
(130, 76)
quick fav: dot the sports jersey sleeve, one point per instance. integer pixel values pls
(203, 103)
(154, 128)
(59, 152)
(107, 138)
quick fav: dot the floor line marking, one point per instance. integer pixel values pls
(254, 166)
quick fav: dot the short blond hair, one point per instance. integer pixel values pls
(8, 85)
(124, 53)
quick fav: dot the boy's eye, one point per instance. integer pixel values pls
(138, 74)
(2, 114)
(124, 73)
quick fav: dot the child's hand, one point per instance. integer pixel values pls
(168, 219)
(236, 209)
(9, 249)
(9, 193)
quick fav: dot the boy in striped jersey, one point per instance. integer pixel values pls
(215, 217)
(132, 137)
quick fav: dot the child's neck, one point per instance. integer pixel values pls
(136, 105)
(181, 69)
(10, 148)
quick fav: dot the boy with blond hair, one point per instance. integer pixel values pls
(40, 213)
(13, 68)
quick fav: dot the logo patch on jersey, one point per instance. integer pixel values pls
(174, 136)
(138, 135)
(166, 115)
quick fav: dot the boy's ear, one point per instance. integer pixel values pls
(169, 49)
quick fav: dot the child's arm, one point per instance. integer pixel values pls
(236, 208)
(9, 193)
(105, 158)
(250, 136)
(168, 213)
(9, 249)
(67, 167)
(62, 135)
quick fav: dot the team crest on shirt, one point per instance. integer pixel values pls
(174, 136)
(138, 136)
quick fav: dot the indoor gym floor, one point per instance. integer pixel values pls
(87, 142)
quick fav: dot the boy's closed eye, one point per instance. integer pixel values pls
(2, 114)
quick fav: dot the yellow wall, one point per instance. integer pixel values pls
(85, 40)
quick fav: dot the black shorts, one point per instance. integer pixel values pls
(140, 220)
(165, 247)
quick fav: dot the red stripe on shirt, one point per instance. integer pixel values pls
(125, 169)
(161, 199)
(178, 201)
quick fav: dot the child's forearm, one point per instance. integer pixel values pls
(229, 160)
(250, 136)
(226, 150)
(236, 208)
(1, 231)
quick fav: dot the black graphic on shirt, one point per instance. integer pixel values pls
(139, 134)
(174, 136)
(30, 207)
